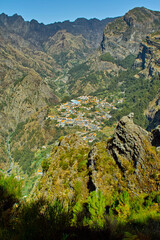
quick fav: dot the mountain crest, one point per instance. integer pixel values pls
(123, 36)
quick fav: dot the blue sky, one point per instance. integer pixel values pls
(49, 11)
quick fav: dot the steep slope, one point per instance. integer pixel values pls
(148, 57)
(123, 37)
(21, 79)
(153, 112)
(23, 89)
(66, 177)
(148, 62)
(67, 49)
(128, 161)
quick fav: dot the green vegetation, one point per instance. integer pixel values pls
(78, 70)
(45, 165)
(127, 62)
(119, 217)
(2, 105)
(138, 92)
(107, 57)
(24, 158)
(96, 208)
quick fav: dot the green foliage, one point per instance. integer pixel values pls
(158, 199)
(66, 98)
(91, 78)
(107, 57)
(121, 206)
(137, 203)
(138, 217)
(47, 124)
(77, 217)
(127, 62)
(19, 130)
(138, 93)
(82, 165)
(78, 70)
(41, 219)
(2, 105)
(9, 186)
(61, 58)
(78, 188)
(63, 164)
(45, 165)
(152, 198)
(60, 139)
(10, 191)
(24, 157)
(96, 207)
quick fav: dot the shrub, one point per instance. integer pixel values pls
(96, 207)
(10, 192)
(45, 165)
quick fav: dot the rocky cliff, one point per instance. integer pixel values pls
(123, 36)
(148, 58)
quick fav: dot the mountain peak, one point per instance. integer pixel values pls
(128, 31)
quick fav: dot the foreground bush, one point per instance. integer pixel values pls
(124, 217)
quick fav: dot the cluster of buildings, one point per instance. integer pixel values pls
(86, 111)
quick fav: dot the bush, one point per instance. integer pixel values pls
(10, 192)
(45, 165)
(96, 207)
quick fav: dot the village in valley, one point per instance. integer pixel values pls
(87, 112)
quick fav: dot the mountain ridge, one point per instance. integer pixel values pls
(80, 25)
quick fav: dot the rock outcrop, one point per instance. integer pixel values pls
(128, 141)
(132, 149)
